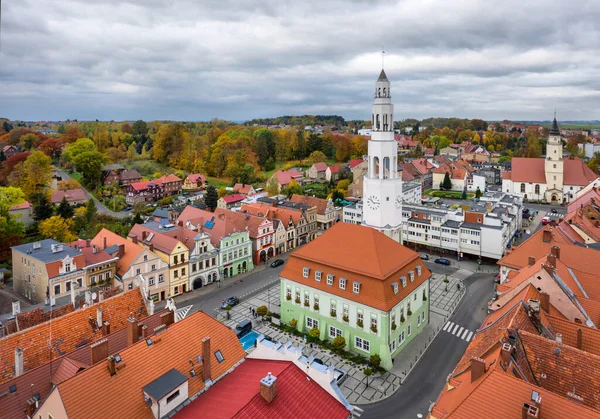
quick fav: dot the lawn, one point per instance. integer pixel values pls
(448, 194)
(574, 126)
(217, 182)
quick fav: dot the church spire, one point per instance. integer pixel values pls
(554, 130)
(382, 76)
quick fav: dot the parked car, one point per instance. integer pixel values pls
(424, 256)
(231, 301)
(545, 220)
(553, 211)
(442, 261)
(276, 263)
(128, 208)
(243, 328)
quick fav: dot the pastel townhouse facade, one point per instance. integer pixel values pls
(326, 216)
(194, 181)
(375, 295)
(285, 223)
(46, 270)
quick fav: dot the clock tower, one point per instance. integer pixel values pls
(382, 185)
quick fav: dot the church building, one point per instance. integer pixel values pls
(553, 179)
(382, 184)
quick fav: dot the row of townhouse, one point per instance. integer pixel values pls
(153, 190)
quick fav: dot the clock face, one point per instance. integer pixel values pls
(398, 201)
(373, 202)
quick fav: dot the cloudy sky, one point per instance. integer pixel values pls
(240, 59)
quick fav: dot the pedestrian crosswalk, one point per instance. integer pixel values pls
(180, 313)
(553, 215)
(462, 274)
(458, 331)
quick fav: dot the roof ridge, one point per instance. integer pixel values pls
(485, 377)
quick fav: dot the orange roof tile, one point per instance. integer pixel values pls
(312, 201)
(278, 213)
(67, 368)
(132, 250)
(590, 337)
(160, 241)
(169, 178)
(85, 394)
(376, 264)
(68, 332)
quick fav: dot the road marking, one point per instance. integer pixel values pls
(465, 334)
(455, 329)
(469, 337)
(448, 324)
(459, 332)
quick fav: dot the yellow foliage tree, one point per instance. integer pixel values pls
(33, 175)
(57, 228)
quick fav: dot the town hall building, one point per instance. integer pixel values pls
(553, 179)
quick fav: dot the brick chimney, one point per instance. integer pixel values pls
(99, 351)
(112, 365)
(18, 362)
(104, 242)
(551, 260)
(99, 317)
(167, 318)
(579, 338)
(206, 373)
(531, 260)
(87, 243)
(132, 330)
(144, 234)
(545, 301)
(151, 247)
(144, 332)
(134, 238)
(530, 411)
(555, 251)
(547, 236)
(121, 250)
(505, 353)
(477, 368)
(268, 388)
(105, 329)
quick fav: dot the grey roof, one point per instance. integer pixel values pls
(472, 226)
(407, 186)
(108, 167)
(164, 384)
(44, 253)
(382, 76)
(161, 212)
(451, 224)
(130, 174)
(418, 220)
(425, 210)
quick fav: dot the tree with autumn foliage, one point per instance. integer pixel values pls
(33, 175)
(57, 228)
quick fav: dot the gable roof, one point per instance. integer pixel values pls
(68, 332)
(312, 201)
(355, 162)
(241, 222)
(84, 395)
(130, 174)
(194, 178)
(232, 199)
(281, 214)
(320, 166)
(334, 169)
(243, 188)
(140, 186)
(71, 195)
(160, 241)
(24, 205)
(532, 170)
(169, 178)
(284, 177)
(132, 250)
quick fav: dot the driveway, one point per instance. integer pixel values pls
(99, 205)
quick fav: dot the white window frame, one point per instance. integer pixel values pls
(403, 279)
(409, 330)
(356, 287)
(362, 344)
(318, 275)
(401, 338)
(305, 272)
(59, 288)
(329, 279)
(334, 332)
(395, 287)
(392, 346)
(342, 283)
(311, 323)
(418, 268)
(411, 275)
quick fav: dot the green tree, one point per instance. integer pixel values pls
(316, 157)
(375, 361)
(447, 184)
(478, 193)
(313, 334)
(247, 174)
(65, 210)
(27, 141)
(6, 126)
(80, 146)
(264, 145)
(89, 164)
(295, 188)
(11, 230)
(368, 372)
(61, 129)
(262, 311)
(33, 175)
(273, 186)
(139, 128)
(91, 210)
(339, 343)
(211, 197)
(57, 228)
(42, 209)
(337, 195)
(464, 194)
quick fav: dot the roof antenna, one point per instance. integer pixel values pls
(382, 56)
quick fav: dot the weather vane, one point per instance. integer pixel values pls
(382, 55)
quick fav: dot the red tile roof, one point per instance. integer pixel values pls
(160, 242)
(170, 178)
(334, 169)
(140, 186)
(532, 170)
(71, 195)
(232, 199)
(243, 188)
(85, 395)
(238, 395)
(355, 162)
(68, 332)
(132, 250)
(194, 178)
(321, 166)
(24, 205)
(590, 337)
(285, 176)
(312, 201)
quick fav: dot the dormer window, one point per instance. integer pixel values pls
(67, 267)
(403, 279)
(329, 279)
(418, 268)
(305, 272)
(318, 276)
(219, 356)
(343, 283)
(356, 287)
(395, 287)
(411, 274)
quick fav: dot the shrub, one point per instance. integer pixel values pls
(359, 323)
(424, 298)
(288, 297)
(446, 280)
(228, 308)
(345, 318)
(402, 319)
(294, 323)
(375, 361)
(409, 312)
(316, 306)
(262, 311)
(333, 313)
(339, 343)
(368, 372)
(276, 315)
(393, 325)
(313, 334)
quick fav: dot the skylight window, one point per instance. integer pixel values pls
(219, 356)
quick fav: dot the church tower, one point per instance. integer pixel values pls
(554, 165)
(382, 185)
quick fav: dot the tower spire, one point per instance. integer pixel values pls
(554, 130)
(382, 56)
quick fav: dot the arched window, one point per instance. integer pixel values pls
(377, 123)
(522, 187)
(394, 167)
(384, 95)
(375, 167)
(537, 189)
(379, 92)
(386, 167)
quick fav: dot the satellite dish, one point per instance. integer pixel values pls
(94, 295)
(527, 231)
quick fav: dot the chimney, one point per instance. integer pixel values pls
(579, 338)
(551, 259)
(99, 351)
(73, 299)
(180, 223)
(94, 249)
(543, 379)
(547, 236)
(134, 238)
(112, 365)
(206, 373)
(505, 353)
(545, 301)
(144, 332)
(18, 362)
(559, 337)
(555, 251)
(530, 411)
(268, 388)
(105, 329)
(99, 317)
(531, 261)
(477, 368)
(88, 298)
(132, 330)
(87, 243)
(167, 318)
(151, 247)
(105, 242)
(32, 405)
(121, 250)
